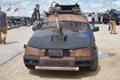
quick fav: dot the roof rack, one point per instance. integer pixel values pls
(63, 9)
(69, 9)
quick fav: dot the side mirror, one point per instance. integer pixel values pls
(95, 29)
(34, 28)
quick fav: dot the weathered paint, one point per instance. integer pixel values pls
(81, 52)
(66, 17)
(33, 51)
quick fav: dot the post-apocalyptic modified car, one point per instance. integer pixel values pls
(63, 41)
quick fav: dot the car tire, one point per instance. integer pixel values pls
(93, 65)
(117, 23)
(30, 66)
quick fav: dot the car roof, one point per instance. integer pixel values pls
(66, 17)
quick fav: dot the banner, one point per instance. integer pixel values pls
(15, 9)
(9, 9)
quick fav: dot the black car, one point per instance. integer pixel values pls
(117, 18)
(105, 19)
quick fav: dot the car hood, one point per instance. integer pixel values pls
(74, 39)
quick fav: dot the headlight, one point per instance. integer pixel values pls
(34, 51)
(81, 52)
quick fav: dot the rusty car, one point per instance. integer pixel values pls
(63, 41)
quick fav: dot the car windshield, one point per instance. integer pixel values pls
(65, 24)
(118, 15)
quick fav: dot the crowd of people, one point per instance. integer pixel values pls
(111, 19)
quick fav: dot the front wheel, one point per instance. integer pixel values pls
(93, 65)
(30, 66)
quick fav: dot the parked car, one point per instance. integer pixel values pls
(13, 22)
(105, 19)
(62, 41)
(117, 19)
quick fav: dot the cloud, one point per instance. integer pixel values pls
(93, 7)
(117, 3)
(98, 6)
(10, 2)
(26, 6)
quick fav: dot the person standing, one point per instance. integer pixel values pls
(3, 27)
(93, 19)
(99, 18)
(36, 15)
(112, 23)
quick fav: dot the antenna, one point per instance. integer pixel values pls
(59, 29)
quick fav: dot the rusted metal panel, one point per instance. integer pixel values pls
(66, 53)
(66, 17)
(33, 51)
(57, 62)
(66, 28)
(81, 52)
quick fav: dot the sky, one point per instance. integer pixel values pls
(26, 7)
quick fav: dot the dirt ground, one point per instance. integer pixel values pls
(109, 68)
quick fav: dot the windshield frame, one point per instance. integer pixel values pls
(67, 24)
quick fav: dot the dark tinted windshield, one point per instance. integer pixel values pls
(118, 15)
(65, 23)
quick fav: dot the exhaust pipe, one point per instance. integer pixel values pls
(57, 68)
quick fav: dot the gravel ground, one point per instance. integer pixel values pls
(109, 68)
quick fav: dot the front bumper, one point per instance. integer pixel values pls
(58, 62)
